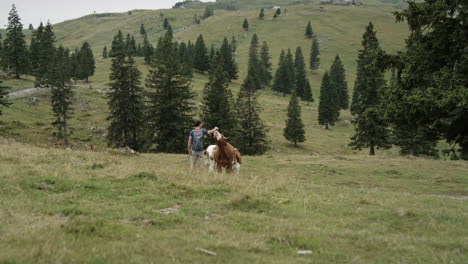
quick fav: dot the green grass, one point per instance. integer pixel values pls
(102, 207)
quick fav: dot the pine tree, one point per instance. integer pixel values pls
(314, 54)
(338, 77)
(254, 70)
(170, 32)
(125, 101)
(245, 25)
(254, 140)
(185, 59)
(148, 50)
(261, 16)
(31, 28)
(35, 49)
(58, 78)
(165, 23)
(142, 30)
(218, 104)
(208, 12)
(369, 125)
(132, 46)
(15, 55)
(308, 93)
(3, 98)
(327, 110)
(74, 64)
(309, 33)
(211, 56)
(230, 64)
(104, 52)
(281, 83)
(46, 50)
(87, 65)
(278, 11)
(275, 16)
(294, 130)
(291, 71)
(265, 64)
(169, 113)
(301, 75)
(432, 77)
(201, 60)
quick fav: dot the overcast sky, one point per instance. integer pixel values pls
(35, 11)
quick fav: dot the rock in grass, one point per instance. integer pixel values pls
(304, 252)
(211, 253)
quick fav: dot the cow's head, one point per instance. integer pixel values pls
(219, 137)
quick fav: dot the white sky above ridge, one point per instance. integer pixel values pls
(34, 11)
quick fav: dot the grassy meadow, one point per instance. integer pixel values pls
(80, 206)
(64, 206)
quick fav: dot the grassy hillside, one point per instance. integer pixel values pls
(339, 30)
(62, 206)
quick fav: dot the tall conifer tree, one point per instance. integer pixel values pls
(282, 82)
(261, 16)
(254, 70)
(294, 130)
(230, 64)
(218, 104)
(301, 75)
(327, 110)
(265, 64)
(201, 60)
(314, 54)
(169, 111)
(58, 78)
(125, 101)
(104, 52)
(308, 97)
(309, 33)
(369, 125)
(15, 55)
(245, 25)
(87, 64)
(254, 140)
(338, 77)
(148, 50)
(142, 30)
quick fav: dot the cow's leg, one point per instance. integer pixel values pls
(236, 168)
(220, 168)
(212, 165)
(229, 169)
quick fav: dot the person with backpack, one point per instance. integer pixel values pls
(195, 145)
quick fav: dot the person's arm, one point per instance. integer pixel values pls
(212, 130)
(189, 144)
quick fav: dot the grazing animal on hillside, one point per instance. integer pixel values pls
(224, 155)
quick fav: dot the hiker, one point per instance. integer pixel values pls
(195, 144)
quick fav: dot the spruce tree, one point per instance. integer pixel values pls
(132, 47)
(291, 71)
(142, 30)
(301, 74)
(165, 23)
(45, 51)
(309, 33)
(201, 60)
(74, 64)
(125, 101)
(15, 55)
(275, 16)
(31, 28)
(265, 64)
(294, 130)
(432, 80)
(338, 77)
(308, 97)
(281, 83)
(104, 52)
(314, 54)
(58, 78)
(148, 50)
(35, 48)
(169, 111)
(218, 104)
(208, 12)
(245, 25)
(87, 65)
(3, 98)
(278, 11)
(327, 110)
(230, 64)
(254, 70)
(369, 124)
(254, 140)
(261, 16)
(184, 59)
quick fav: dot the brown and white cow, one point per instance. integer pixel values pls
(223, 155)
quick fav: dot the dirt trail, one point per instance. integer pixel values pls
(23, 93)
